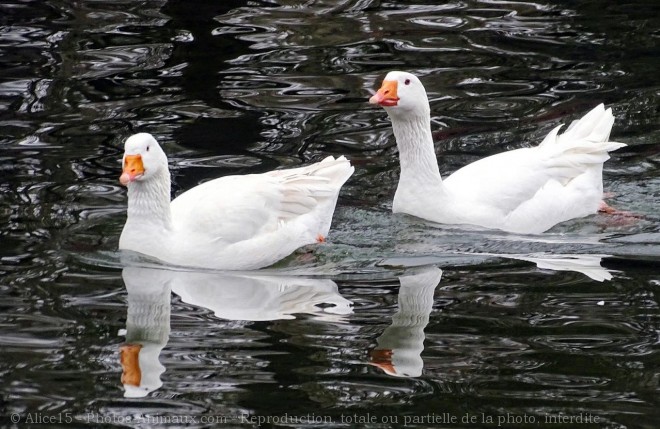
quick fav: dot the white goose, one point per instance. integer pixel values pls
(525, 190)
(234, 222)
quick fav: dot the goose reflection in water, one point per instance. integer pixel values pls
(230, 296)
(400, 346)
(589, 265)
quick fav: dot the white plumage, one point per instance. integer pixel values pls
(527, 190)
(233, 222)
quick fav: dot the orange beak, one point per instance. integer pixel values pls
(133, 169)
(386, 95)
(130, 363)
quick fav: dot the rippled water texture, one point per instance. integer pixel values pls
(392, 318)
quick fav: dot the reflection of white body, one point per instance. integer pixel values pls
(230, 296)
(256, 297)
(589, 265)
(147, 331)
(400, 346)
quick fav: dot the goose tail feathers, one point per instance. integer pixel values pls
(589, 135)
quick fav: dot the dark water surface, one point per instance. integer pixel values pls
(392, 319)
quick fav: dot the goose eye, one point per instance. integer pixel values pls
(407, 82)
(148, 148)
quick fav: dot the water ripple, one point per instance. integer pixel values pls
(121, 59)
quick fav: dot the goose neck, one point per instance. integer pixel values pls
(150, 200)
(416, 150)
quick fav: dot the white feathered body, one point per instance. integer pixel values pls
(234, 222)
(527, 190)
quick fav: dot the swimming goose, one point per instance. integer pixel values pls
(234, 222)
(526, 190)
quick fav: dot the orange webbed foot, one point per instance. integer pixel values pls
(620, 217)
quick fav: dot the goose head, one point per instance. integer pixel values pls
(402, 95)
(143, 159)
